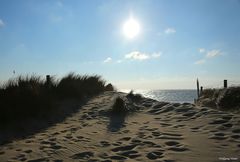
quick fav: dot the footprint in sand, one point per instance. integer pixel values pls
(125, 139)
(170, 136)
(28, 151)
(154, 155)
(83, 155)
(165, 110)
(116, 157)
(189, 114)
(172, 143)
(236, 136)
(219, 121)
(104, 143)
(124, 148)
(68, 136)
(218, 136)
(125, 152)
(56, 147)
(179, 126)
(175, 146)
(150, 144)
(39, 160)
(165, 124)
(55, 133)
(156, 133)
(178, 149)
(57, 160)
(29, 141)
(184, 109)
(228, 125)
(21, 157)
(195, 129)
(132, 154)
(236, 131)
(136, 141)
(168, 160)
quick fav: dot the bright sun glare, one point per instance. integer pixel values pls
(131, 28)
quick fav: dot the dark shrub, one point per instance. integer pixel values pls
(32, 96)
(119, 106)
(226, 98)
(229, 98)
(134, 97)
(109, 87)
(208, 93)
(76, 86)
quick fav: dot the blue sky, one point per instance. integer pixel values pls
(178, 41)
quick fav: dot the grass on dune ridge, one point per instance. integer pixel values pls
(32, 96)
(224, 98)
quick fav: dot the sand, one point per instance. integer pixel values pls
(165, 132)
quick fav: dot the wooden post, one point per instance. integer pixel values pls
(225, 83)
(48, 80)
(198, 88)
(201, 90)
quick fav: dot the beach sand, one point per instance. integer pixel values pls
(159, 131)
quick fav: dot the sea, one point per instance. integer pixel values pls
(179, 96)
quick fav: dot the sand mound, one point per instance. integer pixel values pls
(157, 131)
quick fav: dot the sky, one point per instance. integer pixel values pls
(177, 42)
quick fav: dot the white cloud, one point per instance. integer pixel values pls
(136, 55)
(201, 50)
(107, 60)
(202, 61)
(2, 23)
(213, 53)
(208, 55)
(170, 31)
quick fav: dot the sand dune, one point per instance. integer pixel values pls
(159, 131)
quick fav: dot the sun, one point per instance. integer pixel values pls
(131, 28)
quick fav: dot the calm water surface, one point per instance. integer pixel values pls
(180, 96)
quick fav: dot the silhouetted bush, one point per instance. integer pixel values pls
(109, 87)
(229, 98)
(207, 93)
(134, 97)
(27, 97)
(77, 86)
(119, 106)
(226, 98)
(23, 97)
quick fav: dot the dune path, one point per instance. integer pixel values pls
(159, 131)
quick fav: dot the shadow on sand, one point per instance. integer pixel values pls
(116, 122)
(29, 127)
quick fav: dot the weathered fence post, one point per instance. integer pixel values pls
(198, 88)
(225, 83)
(201, 90)
(48, 81)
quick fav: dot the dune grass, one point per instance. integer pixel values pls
(134, 97)
(225, 98)
(27, 97)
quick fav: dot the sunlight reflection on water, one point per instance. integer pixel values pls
(180, 96)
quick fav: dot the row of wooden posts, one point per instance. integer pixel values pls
(201, 88)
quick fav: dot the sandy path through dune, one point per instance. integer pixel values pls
(158, 132)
